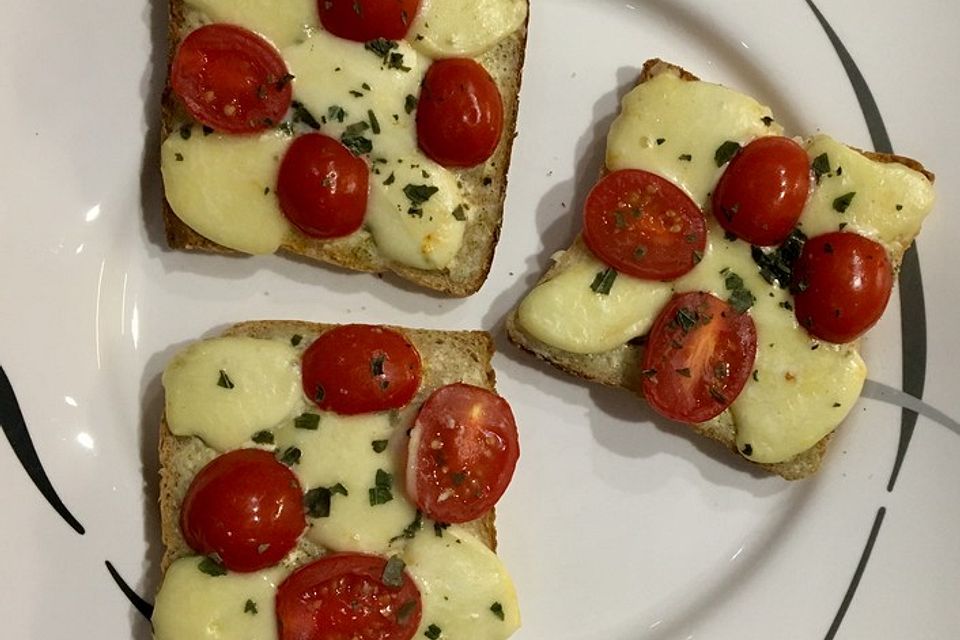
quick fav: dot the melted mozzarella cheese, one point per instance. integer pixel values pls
(192, 605)
(465, 28)
(461, 581)
(341, 451)
(889, 203)
(226, 389)
(222, 187)
(566, 312)
(345, 85)
(283, 22)
(673, 128)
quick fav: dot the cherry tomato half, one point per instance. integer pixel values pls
(245, 507)
(231, 79)
(460, 113)
(322, 187)
(363, 20)
(762, 193)
(643, 225)
(359, 368)
(841, 283)
(699, 354)
(463, 450)
(344, 596)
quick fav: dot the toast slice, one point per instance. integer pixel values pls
(447, 357)
(483, 187)
(621, 366)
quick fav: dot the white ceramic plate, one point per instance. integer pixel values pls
(618, 526)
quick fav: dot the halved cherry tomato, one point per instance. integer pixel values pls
(761, 195)
(460, 113)
(643, 225)
(231, 79)
(322, 187)
(359, 368)
(345, 597)
(699, 354)
(245, 507)
(841, 283)
(363, 20)
(463, 450)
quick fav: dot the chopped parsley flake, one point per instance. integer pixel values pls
(262, 437)
(379, 446)
(842, 203)
(302, 114)
(291, 456)
(725, 152)
(409, 104)
(250, 607)
(820, 166)
(212, 567)
(393, 572)
(308, 421)
(497, 610)
(381, 492)
(433, 632)
(225, 380)
(603, 281)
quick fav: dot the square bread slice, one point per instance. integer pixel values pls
(621, 366)
(482, 188)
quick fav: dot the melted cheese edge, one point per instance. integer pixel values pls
(266, 389)
(459, 581)
(192, 605)
(283, 23)
(464, 28)
(803, 388)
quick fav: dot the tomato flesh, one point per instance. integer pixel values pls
(841, 283)
(231, 79)
(359, 368)
(246, 508)
(460, 113)
(699, 354)
(643, 225)
(344, 597)
(761, 195)
(322, 187)
(363, 20)
(463, 451)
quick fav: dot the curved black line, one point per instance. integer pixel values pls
(141, 605)
(913, 314)
(857, 574)
(15, 428)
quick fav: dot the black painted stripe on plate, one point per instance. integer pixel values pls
(857, 574)
(15, 428)
(913, 314)
(141, 605)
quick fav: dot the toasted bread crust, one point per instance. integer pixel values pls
(484, 188)
(621, 367)
(448, 356)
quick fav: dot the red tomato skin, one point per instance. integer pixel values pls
(342, 597)
(358, 368)
(364, 20)
(643, 225)
(322, 187)
(240, 501)
(464, 442)
(231, 79)
(460, 113)
(842, 284)
(706, 388)
(761, 195)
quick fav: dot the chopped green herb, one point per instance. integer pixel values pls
(395, 61)
(841, 204)
(497, 610)
(411, 529)
(262, 437)
(438, 528)
(250, 607)
(686, 319)
(212, 567)
(756, 375)
(381, 492)
(296, 339)
(376, 365)
(820, 166)
(379, 446)
(308, 421)
(336, 113)
(418, 194)
(178, 156)
(356, 94)
(766, 120)
(685, 157)
(320, 394)
(339, 488)
(290, 456)
(458, 213)
(716, 395)
(393, 572)
(186, 131)
(603, 282)
(302, 114)
(225, 380)
(316, 502)
(374, 123)
(747, 450)
(354, 140)
(776, 267)
(365, 86)
(409, 103)
(433, 632)
(390, 179)
(660, 141)
(286, 128)
(381, 46)
(899, 207)
(836, 405)
(725, 152)
(284, 80)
